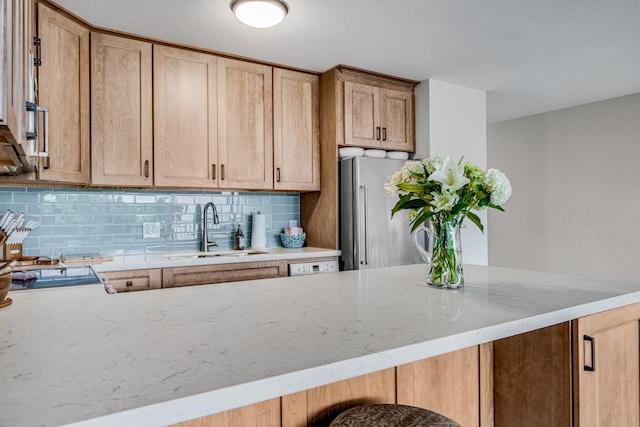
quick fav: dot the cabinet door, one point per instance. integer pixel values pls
(396, 118)
(63, 86)
(606, 368)
(121, 120)
(318, 406)
(296, 132)
(263, 414)
(219, 273)
(362, 115)
(11, 102)
(422, 383)
(134, 280)
(184, 102)
(245, 125)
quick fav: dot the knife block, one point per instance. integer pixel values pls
(11, 251)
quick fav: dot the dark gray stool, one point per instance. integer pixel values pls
(389, 415)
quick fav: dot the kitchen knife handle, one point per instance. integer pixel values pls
(213, 171)
(146, 168)
(384, 134)
(365, 189)
(592, 341)
(277, 174)
(377, 133)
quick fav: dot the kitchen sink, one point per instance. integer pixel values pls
(218, 253)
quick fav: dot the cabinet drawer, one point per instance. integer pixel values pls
(208, 274)
(136, 280)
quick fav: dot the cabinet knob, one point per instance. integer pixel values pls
(129, 283)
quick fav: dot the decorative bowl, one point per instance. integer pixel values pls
(292, 241)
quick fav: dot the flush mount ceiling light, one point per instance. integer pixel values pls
(260, 13)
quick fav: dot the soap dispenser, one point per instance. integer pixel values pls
(239, 240)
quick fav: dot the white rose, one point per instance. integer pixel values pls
(392, 184)
(498, 185)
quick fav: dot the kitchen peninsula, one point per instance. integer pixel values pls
(167, 356)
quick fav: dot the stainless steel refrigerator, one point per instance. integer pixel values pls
(369, 238)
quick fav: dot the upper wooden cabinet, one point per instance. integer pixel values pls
(121, 111)
(369, 110)
(245, 125)
(63, 86)
(296, 130)
(185, 118)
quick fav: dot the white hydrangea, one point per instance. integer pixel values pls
(404, 175)
(444, 201)
(498, 185)
(432, 164)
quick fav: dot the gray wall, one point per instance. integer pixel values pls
(576, 190)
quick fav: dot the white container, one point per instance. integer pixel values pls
(378, 154)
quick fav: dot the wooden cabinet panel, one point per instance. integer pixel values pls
(448, 384)
(245, 125)
(134, 280)
(185, 117)
(608, 342)
(532, 378)
(296, 143)
(64, 89)
(319, 406)
(397, 120)
(121, 111)
(362, 115)
(12, 63)
(263, 414)
(218, 273)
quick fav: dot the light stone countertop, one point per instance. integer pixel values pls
(186, 259)
(152, 358)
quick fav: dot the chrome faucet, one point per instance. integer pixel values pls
(206, 244)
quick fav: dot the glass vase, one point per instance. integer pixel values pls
(445, 254)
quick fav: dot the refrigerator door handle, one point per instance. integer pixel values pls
(365, 233)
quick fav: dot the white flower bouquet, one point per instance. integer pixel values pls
(444, 193)
(441, 189)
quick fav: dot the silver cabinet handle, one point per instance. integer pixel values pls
(365, 189)
(35, 135)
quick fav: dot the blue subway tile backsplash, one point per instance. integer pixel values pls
(110, 222)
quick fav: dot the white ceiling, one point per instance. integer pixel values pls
(530, 56)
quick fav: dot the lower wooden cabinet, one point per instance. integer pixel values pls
(457, 384)
(606, 355)
(320, 405)
(263, 414)
(450, 384)
(134, 280)
(583, 373)
(218, 273)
